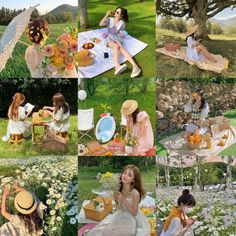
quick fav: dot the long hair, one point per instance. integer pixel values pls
(17, 100)
(134, 115)
(186, 198)
(33, 222)
(37, 30)
(203, 99)
(137, 184)
(192, 36)
(59, 102)
(124, 14)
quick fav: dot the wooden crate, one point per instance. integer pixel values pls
(92, 214)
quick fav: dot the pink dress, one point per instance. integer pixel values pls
(146, 140)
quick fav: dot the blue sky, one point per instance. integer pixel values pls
(44, 7)
(226, 13)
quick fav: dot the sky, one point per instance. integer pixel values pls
(44, 7)
(226, 13)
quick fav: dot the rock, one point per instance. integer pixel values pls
(162, 105)
(171, 108)
(162, 124)
(174, 102)
(160, 115)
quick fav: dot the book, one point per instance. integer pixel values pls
(28, 107)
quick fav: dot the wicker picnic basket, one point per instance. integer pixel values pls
(172, 46)
(91, 212)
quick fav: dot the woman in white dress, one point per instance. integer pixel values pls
(38, 32)
(178, 223)
(199, 109)
(28, 221)
(17, 115)
(114, 38)
(196, 51)
(60, 113)
(128, 220)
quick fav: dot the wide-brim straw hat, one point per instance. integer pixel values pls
(192, 30)
(25, 202)
(128, 107)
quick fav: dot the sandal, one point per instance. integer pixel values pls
(121, 69)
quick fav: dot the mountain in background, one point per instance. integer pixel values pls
(64, 8)
(225, 23)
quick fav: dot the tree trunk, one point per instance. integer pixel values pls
(84, 23)
(199, 14)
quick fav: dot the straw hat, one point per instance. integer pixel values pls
(192, 30)
(25, 202)
(128, 107)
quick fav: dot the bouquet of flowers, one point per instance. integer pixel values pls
(61, 56)
(109, 180)
(131, 140)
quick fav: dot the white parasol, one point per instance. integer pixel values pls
(12, 35)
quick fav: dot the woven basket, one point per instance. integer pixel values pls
(225, 125)
(92, 214)
(172, 46)
(195, 146)
(216, 120)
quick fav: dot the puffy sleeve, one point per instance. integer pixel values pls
(59, 115)
(22, 114)
(142, 116)
(175, 227)
(204, 112)
(188, 107)
(15, 220)
(31, 58)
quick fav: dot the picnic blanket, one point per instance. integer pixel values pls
(101, 64)
(176, 145)
(218, 67)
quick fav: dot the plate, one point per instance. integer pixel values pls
(88, 46)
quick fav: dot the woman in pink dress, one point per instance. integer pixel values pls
(139, 124)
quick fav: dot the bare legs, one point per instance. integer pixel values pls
(118, 48)
(204, 51)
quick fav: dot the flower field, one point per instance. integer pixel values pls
(55, 183)
(215, 212)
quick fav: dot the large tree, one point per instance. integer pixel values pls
(84, 23)
(199, 10)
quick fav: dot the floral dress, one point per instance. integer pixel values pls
(113, 33)
(122, 222)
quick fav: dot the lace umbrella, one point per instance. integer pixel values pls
(12, 35)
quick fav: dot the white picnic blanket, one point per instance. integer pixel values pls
(101, 64)
(176, 145)
(218, 67)
(146, 202)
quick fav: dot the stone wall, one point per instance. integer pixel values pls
(173, 95)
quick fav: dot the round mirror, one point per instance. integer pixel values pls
(105, 129)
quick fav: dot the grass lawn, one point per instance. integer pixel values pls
(141, 26)
(106, 93)
(87, 181)
(230, 151)
(168, 67)
(18, 56)
(27, 149)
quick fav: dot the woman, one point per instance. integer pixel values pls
(178, 223)
(138, 122)
(114, 39)
(38, 32)
(128, 220)
(199, 109)
(196, 51)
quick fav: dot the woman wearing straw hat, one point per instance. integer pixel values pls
(196, 51)
(138, 122)
(28, 221)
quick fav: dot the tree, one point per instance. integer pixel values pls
(199, 10)
(84, 23)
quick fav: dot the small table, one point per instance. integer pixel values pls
(43, 124)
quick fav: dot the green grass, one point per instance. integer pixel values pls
(230, 151)
(18, 56)
(141, 26)
(114, 97)
(27, 149)
(168, 67)
(87, 181)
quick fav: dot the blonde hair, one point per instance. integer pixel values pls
(17, 100)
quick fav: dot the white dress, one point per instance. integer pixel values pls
(19, 126)
(192, 53)
(60, 121)
(123, 223)
(175, 229)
